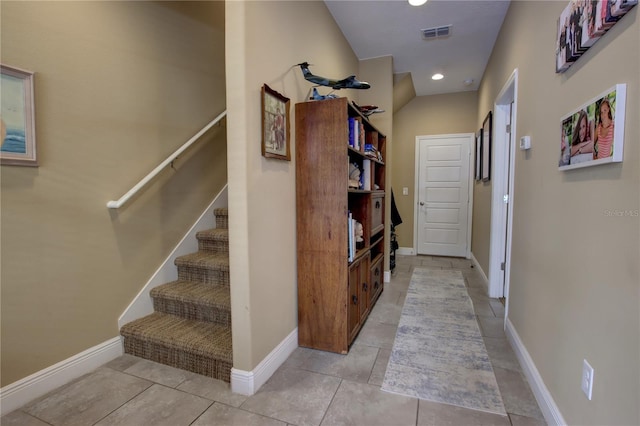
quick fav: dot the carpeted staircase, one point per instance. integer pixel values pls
(191, 326)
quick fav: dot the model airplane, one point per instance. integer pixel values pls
(318, 97)
(346, 83)
(367, 110)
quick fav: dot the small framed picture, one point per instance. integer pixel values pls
(478, 164)
(275, 125)
(17, 118)
(486, 148)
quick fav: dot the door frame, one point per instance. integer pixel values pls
(416, 184)
(501, 226)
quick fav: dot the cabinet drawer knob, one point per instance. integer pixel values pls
(354, 299)
(365, 286)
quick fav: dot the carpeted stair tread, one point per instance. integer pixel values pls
(215, 234)
(222, 218)
(207, 260)
(216, 296)
(201, 301)
(214, 240)
(195, 337)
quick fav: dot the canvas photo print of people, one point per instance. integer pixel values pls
(582, 23)
(594, 133)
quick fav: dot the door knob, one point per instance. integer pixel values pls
(421, 203)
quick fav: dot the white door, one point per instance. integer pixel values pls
(508, 110)
(443, 182)
(502, 192)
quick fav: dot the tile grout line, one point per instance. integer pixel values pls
(125, 403)
(330, 402)
(204, 411)
(249, 412)
(373, 366)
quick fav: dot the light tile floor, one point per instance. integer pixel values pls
(310, 388)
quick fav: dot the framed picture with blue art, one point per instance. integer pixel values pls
(17, 119)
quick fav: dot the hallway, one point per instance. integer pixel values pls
(310, 388)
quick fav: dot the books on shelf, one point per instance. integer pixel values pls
(354, 129)
(356, 133)
(371, 152)
(355, 235)
(351, 238)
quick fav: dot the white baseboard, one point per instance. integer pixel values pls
(482, 274)
(23, 391)
(142, 304)
(406, 251)
(547, 405)
(248, 382)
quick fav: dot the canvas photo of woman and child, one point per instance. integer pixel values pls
(588, 134)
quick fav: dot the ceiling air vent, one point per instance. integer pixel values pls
(436, 32)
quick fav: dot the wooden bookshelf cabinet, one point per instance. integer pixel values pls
(336, 290)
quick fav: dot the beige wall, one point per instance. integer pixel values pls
(403, 90)
(118, 87)
(379, 73)
(262, 191)
(575, 279)
(424, 115)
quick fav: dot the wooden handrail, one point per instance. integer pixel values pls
(117, 204)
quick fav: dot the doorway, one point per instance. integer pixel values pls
(443, 194)
(502, 189)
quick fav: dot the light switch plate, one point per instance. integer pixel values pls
(525, 142)
(587, 379)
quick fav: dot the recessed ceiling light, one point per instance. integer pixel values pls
(437, 76)
(417, 2)
(468, 82)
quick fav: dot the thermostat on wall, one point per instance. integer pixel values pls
(525, 142)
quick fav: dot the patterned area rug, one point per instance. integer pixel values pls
(438, 353)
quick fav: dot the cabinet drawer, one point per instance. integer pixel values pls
(359, 295)
(376, 279)
(377, 213)
(353, 302)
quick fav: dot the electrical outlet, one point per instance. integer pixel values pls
(405, 191)
(587, 379)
